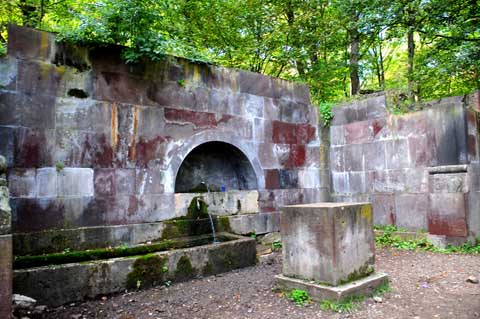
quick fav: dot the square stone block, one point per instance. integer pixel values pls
(329, 243)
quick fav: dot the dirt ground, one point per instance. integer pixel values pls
(424, 285)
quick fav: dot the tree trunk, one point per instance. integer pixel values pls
(411, 55)
(354, 57)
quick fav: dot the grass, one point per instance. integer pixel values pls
(389, 239)
(299, 297)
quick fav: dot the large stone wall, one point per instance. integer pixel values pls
(5, 245)
(386, 159)
(91, 141)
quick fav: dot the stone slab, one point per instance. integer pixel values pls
(363, 287)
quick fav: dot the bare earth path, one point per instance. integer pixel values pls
(425, 285)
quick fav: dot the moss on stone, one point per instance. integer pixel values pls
(224, 223)
(208, 269)
(184, 269)
(364, 271)
(89, 255)
(148, 270)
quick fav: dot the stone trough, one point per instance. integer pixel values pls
(54, 285)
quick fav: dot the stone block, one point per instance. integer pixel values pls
(358, 133)
(354, 157)
(383, 209)
(292, 112)
(34, 147)
(337, 135)
(153, 208)
(8, 73)
(6, 276)
(254, 83)
(411, 211)
(37, 78)
(388, 181)
(149, 181)
(104, 182)
(416, 180)
(313, 157)
(128, 88)
(422, 150)
(374, 156)
(331, 243)
(340, 183)
(124, 181)
(84, 114)
(21, 182)
(271, 109)
(397, 154)
(306, 133)
(448, 214)
(308, 178)
(448, 183)
(356, 182)
(28, 43)
(296, 156)
(75, 182)
(288, 178)
(284, 133)
(376, 107)
(259, 130)
(337, 158)
(46, 182)
(380, 129)
(35, 214)
(272, 179)
(7, 147)
(262, 223)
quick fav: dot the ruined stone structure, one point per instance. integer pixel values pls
(102, 152)
(420, 170)
(5, 245)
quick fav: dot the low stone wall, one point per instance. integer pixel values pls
(385, 158)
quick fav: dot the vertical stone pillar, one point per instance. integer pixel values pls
(329, 250)
(325, 178)
(5, 245)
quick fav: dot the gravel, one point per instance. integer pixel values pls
(424, 285)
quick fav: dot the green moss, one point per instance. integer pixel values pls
(184, 269)
(148, 271)
(364, 271)
(224, 223)
(208, 269)
(89, 255)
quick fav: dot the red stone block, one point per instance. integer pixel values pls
(199, 119)
(272, 179)
(104, 182)
(144, 151)
(447, 214)
(305, 133)
(34, 148)
(284, 133)
(296, 156)
(358, 132)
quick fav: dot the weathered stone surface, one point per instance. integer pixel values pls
(6, 276)
(358, 132)
(27, 43)
(46, 182)
(21, 182)
(75, 182)
(33, 147)
(7, 147)
(255, 223)
(330, 243)
(397, 154)
(449, 183)
(354, 157)
(375, 155)
(8, 73)
(448, 214)
(411, 211)
(383, 209)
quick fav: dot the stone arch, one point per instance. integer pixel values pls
(247, 148)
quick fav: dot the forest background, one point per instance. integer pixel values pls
(415, 49)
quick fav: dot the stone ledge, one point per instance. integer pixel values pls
(317, 292)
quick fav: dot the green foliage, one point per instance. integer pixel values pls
(276, 245)
(344, 306)
(383, 288)
(299, 297)
(389, 239)
(3, 49)
(59, 166)
(326, 113)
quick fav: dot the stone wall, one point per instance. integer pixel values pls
(5, 246)
(93, 142)
(385, 159)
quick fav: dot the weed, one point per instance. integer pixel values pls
(253, 235)
(59, 166)
(299, 297)
(181, 82)
(383, 288)
(276, 245)
(346, 305)
(326, 113)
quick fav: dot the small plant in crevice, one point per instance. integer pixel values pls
(59, 166)
(276, 245)
(326, 113)
(299, 297)
(181, 82)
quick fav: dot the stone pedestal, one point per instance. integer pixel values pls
(329, 250)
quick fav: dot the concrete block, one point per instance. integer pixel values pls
(149, 181)
(46, 182)
(41, 78)
(331, 243)
(124, 181)
(411, 211)
(388, 181)
(448, 214)
(75, 182)
(28, 43)
(354, 157)
(340, 183)
(422, 150)
(255, 84)
(84, 114)
(21, 182)
(288, 178)
(7, 147)
(8, 73)
(292, 112)
(356, 182)
(337, 158)
(416, 180)
(271, 111)
(153, 208)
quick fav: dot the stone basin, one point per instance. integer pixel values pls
(54, 285)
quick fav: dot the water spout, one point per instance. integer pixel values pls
(215, 240)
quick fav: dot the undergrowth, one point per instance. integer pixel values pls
(299, 297)
(389, 239)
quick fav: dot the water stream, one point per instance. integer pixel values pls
(215, 240)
